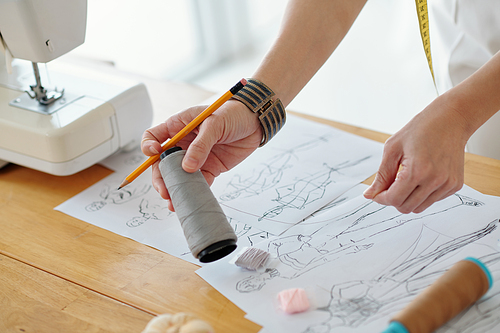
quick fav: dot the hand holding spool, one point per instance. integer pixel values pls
(209, 235)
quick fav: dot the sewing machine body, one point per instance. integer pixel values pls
(62, 131)
(99, 115)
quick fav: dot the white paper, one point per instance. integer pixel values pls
(138, 212)
(362, 262)
(298, 172)
(297, 198)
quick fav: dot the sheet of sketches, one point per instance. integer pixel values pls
(297, 198)
(138, 212)
(361, 262)
(300, 171)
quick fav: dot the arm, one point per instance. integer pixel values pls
(310, 31)
(429, 150)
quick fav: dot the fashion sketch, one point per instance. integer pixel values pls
(267, 175)
(300, 253)
(355, 303)
(306, 190)
(150, 209)
(110, 195)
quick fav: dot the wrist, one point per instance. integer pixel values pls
(459, 114)
(249, 120)
(261, 100)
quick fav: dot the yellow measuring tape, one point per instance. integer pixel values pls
(423, 21)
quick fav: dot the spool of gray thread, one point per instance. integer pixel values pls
(208, 233)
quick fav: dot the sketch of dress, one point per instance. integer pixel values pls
(306, 190)
(300, 253)
(355, 303)
(266, 175)
(247, 234)
(398, 219)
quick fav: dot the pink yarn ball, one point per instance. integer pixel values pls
(293, 300)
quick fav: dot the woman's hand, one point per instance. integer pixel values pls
(222, 141)
(423, 162)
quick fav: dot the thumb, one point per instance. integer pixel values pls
(385, 176)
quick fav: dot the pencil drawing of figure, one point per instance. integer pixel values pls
(333, 204)
(152, 209)
(267, 175)
(248, 233)
(306, 190)
(299, 254)
(398, 219)
(114, 196)
(354, 303)
(256, 282)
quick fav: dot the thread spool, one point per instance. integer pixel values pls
(461, 286)
(293, 300)
(252, 258)
(209, 235)
(177, 323)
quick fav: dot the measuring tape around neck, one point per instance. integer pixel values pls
(423, 21)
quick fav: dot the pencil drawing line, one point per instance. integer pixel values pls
(303, 253)
(359, 302)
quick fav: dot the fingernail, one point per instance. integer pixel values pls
(189, 163)
(153, 150)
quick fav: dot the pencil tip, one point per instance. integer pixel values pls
(123, 184)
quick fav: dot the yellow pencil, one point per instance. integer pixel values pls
(182, 133)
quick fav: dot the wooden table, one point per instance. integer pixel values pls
(60, 274)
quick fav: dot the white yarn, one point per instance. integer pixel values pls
(177, 323)
(252, 258)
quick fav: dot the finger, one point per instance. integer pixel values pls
(158, 182)
(160, 187)
(150, 143)
(209, 177)
(153, 137)
(198, 151)
(432, 188)
(421, 197)
(385, 176)
(399, 191)
(170, 206)
(439, 195)
(431, 199)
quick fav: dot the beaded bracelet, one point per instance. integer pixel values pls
(258, 98)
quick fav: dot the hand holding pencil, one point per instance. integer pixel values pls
(218, 144)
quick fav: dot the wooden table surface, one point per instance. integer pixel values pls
(60, 274)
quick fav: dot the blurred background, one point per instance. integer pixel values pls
(377, 78)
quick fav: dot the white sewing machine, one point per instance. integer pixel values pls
(60, 131)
